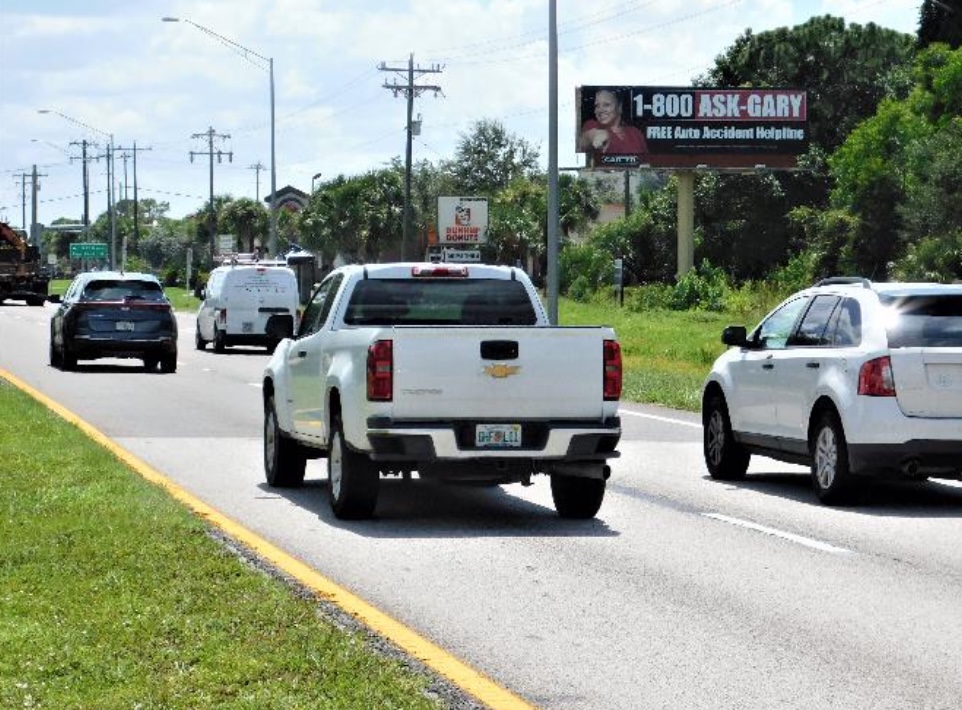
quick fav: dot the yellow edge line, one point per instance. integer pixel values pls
(430, 654)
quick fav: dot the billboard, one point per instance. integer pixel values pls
(687, 127)
(462, 220)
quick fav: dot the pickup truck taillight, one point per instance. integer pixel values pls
(612, 371)
(380, 371)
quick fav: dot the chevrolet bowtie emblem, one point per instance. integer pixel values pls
(501, 370)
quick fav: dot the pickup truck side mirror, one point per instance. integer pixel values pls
(735, 335)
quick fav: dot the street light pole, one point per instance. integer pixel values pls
(270, 64)
(316, 176)
(110, 179)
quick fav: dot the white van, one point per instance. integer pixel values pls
(247, 304)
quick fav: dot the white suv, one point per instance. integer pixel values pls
(850, 377)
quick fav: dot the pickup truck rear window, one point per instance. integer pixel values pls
(439, 302)
(920, 321)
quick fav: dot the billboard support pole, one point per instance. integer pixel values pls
(686, 221)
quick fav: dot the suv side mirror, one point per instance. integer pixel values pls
(735, 335)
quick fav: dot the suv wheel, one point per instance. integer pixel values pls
(168, 363)
(219, 340)
(726, 459)
(830, 471)
(199, 342)
(68, 361)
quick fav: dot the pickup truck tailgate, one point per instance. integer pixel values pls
(473, 372)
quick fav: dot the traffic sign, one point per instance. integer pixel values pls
(88, 250)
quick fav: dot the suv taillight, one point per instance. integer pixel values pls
(612, 371)
(380, 371)
(875, 378)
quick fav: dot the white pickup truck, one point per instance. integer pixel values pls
(450, 371)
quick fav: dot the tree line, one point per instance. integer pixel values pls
(876, 195)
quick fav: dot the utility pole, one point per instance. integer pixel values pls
(257, 167)
(111, 204)
(23, 197)
(86, 181)
(410, 91)
(210, 134)
(34, 232)
(133, 151)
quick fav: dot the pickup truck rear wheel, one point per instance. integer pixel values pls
(352, 477)
(577, 497)
(284, 460)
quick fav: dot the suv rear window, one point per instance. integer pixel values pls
(439, 302)
(919, 321)
(119, 290)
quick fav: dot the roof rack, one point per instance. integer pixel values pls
(843, 280)
(249, 259)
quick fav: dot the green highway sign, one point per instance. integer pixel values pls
(88, 250)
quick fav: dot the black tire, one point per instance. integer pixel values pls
(150, 362)
(831, 476)
(219, 339)
(284, 460)
(54, 354)
(168, 363)
(68, 361)
(725, 458)
(36, 301)
(576, 497)
(199, 342)
(353, 480)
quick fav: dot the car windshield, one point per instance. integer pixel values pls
(440, 302)
(121, 290)
(918, 321)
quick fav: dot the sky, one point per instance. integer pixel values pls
(112, 69)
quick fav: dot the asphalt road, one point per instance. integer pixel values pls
(684, 593)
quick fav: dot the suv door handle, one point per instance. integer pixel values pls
(812, 365)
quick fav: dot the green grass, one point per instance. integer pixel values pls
(666, 354)
(112, 595)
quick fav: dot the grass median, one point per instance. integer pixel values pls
(112, 595)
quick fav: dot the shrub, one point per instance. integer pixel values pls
(650, 297)
(703, 287)
(584, 268)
